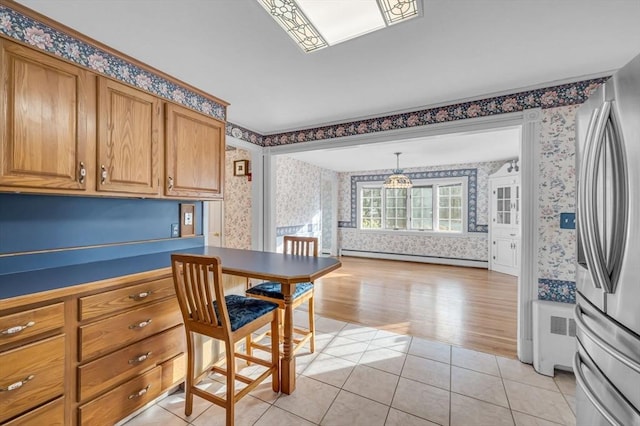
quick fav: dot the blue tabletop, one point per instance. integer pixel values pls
(287, 268)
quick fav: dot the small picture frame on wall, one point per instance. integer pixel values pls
(240, 167)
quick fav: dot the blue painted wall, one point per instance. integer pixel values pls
(42, 222)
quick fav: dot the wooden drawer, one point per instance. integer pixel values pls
(125, 298)
(51, 414)
(123, 400)
(109, 370)
(106, 335)
(30, 323)
(43, 362)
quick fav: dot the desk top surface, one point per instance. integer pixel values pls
(249, 263)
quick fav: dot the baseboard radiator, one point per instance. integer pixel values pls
(415, 258)
(554, 336)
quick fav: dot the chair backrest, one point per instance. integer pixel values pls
(304, 246)
(198, 283)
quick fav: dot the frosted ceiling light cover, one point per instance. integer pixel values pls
(315, 24)
(342, 20)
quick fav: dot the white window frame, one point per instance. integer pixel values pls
(418, 182)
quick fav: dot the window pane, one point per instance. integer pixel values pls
(370, 214)
(395, 208)
(456, 214)
(421, 207)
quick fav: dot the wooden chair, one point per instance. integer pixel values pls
(207, 311)
(272, 292)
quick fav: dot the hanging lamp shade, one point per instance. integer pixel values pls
(397, 180)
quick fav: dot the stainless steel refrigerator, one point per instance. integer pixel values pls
(607, 360)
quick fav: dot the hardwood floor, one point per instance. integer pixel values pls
(469, 307)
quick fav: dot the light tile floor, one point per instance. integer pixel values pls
(363, 376)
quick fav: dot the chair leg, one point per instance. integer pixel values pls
(188, 403)
(230, 402)
(312, 326)
(248, 349)
(281, 325)
(275, 352)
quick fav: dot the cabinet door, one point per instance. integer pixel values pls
(128, 139)
(503, 199)
(194, 154)
(44, 139)
(504, 255)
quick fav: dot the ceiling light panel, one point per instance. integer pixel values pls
(398, 10)
(315, 24)
(295, 23)
(341, 20)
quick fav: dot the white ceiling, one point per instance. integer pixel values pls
(460, 148)
(459, 49)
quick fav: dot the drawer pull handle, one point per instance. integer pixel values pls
(140, 393)
(140, 358)
(141, 295)
(17, 329)
(17, 385)
(142, 324)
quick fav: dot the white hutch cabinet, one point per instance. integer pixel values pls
(504, 225)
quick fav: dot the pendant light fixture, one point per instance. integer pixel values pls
(397, 180)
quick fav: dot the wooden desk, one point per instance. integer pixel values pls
(286, 269)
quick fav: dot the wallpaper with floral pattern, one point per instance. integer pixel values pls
(566, 94)
(556, 194)
(298, 198)
(472, 246)
(237, 203)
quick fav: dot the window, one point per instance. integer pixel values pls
(436, 206)
(371, 211)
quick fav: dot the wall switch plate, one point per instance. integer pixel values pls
(187, 220)
(567, 221)
(175, 230)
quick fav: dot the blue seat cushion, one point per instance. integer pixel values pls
(242, 310)
(274, 290)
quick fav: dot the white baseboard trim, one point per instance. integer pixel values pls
(416, 258)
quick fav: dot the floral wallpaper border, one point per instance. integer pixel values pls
(556, 290)
(244, 134)
(472, 193)
(27, 30)
(562, 95)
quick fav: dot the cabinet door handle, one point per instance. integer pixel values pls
(141, 295)
(16, 328)
(139, 325)
(140, 393)
(170, 183)
(140, 358)
(83, 173)
(103, 174)
(17, 385)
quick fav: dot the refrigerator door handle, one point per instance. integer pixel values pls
(582, 382)
(595, 250)
(605, 346)
(619, 206)
(585, 178)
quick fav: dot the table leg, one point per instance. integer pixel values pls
(288, 363)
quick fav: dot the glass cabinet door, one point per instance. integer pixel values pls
(503, 205)
(507, 205)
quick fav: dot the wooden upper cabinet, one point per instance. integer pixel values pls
(129, 149)
(195, 149)
(44, 137)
